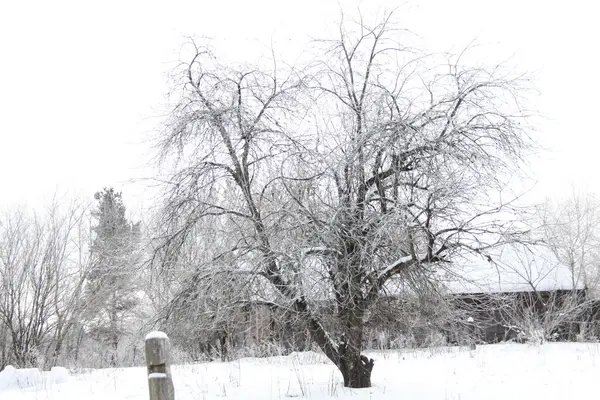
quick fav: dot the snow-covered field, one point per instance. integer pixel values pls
(504, 371)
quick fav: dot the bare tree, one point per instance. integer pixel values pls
(28, 286)
(40, 280)
(540, 303)
(321, 185)
(69, 229)
(571, 231)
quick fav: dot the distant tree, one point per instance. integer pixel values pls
(26, 279)
(323, 185)
(545, 307)
(42, 270)
(111, 290)
(571, 228)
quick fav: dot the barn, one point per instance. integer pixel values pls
(516, 292)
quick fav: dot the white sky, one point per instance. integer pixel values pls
(81, 83)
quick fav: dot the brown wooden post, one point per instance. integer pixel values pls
(160, 382)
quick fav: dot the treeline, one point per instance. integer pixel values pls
(71, 284)
(77, 288)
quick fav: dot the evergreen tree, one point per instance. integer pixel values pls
(111, 289)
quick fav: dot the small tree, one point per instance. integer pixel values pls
(325, 183)
(111, 289)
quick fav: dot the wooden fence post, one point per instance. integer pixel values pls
(160, 382)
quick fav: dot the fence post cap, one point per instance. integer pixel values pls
(156, 335)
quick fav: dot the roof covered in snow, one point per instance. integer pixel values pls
(512, 268)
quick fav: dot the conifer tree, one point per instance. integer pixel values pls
(111, 290)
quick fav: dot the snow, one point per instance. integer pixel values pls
(8, 377)
(11, 377)
(491, 372)
(59, 375)
(157, 375)
(514, 268)
(156, 335)
(395, 264)
(31, 378)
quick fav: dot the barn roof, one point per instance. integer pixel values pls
(512, 268)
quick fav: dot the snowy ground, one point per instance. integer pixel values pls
(505, 371)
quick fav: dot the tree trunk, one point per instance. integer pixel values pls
(356, 370)
(223, 347)
(57, 350)
(78, 342)
(114, 332)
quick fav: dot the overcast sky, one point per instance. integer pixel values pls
(82, 83)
